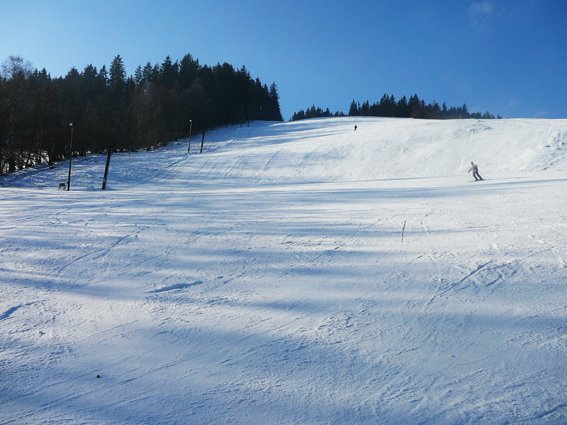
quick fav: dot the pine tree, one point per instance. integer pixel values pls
(188, 70)
(353, 110)
(138, 76)
(117, 76)
(168, 73)
(275, 111)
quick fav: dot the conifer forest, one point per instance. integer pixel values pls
(98, 108)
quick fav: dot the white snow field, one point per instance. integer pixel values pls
(293, 273)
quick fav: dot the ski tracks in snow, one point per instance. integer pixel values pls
(280, 303)
(483, 275)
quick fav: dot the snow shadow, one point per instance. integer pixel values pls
(175, 287)
(6, 314)
(163, 386)
(338, 366)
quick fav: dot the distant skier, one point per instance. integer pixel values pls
(355, 127)
(474, 169)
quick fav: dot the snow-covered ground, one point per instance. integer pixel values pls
(294, 273)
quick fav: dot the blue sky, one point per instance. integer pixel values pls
(505, 56)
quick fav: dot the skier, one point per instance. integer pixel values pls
(474, 169)
(355, 127)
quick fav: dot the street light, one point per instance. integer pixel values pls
(189, 139)
(70, 156)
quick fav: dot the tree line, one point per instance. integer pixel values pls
(315, 112)
(107, 108)
(388, 106)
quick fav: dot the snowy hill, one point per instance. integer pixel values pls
(293, 273)
(330, 150)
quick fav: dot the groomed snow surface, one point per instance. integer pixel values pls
(293, 273)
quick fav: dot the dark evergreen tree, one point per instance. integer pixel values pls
(138, 76)
(274, 105)
(117, 76)
(188, 71)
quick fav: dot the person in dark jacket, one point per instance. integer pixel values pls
(474, 169)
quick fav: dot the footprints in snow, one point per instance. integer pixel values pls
(9, 312)
(485, 275)
(175, 287)
(6, 314)
(181, 286)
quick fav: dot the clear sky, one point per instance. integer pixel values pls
(508, 57)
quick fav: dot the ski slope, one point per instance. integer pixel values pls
(293, 273)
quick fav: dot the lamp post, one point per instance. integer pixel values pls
(189, 139)
(70, 157)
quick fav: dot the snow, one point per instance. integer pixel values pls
(293, 273)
